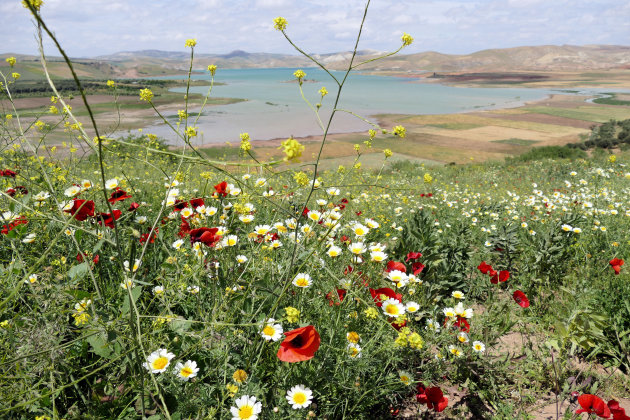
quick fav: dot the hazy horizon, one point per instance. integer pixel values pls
(102, 27)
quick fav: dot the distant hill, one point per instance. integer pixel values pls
(156, 62)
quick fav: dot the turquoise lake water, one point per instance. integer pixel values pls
(275, 109)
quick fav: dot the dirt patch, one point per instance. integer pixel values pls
(545, 119)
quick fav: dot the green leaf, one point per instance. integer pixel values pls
(78, 271)
(180, 325)
(100, 345)
(135, 294)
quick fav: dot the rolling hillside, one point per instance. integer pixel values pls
(155, 62)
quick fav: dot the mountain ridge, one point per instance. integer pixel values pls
(525, 58)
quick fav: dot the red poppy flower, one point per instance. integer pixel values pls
(133, 206)
(421, 396)
(502, 276)
(593, 404)
(462, 324)
(81, 209)
(184, 229)
(436, 399)
(9, 227)
(196, 202)
(344, 239)
(180, 205)
(118, 195)
(8, 173)
(221, 189)
(95, 260)
(521, 299)
(376, 295)
(393, 265)
(484, 267)
(618, 412)
(206, 235)
(616, 264)
(299, 345)
(417, 268)
(148, 237)
(413, 256)
(348, 270)
(332, 300)
(107, 219)
(20, 189)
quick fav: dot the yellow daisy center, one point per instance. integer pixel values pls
(301, 282)
(299, 398)
(160, 363)
(245, 412)
(392, 309)
(186, 372)
(269, 330)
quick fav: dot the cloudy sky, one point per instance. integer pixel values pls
(96, 27)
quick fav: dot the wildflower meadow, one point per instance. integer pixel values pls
(140, 280)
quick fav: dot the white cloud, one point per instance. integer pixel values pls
(95, 27)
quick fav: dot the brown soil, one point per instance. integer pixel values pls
(544, 119)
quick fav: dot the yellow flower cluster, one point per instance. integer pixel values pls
(406, 39)
(280, 23)
(400, 131)
(428, 178)
(191, 131)
(181, 114)
(301, 178)
(35, 4)
(371, 313)
(246, 146)
(11, 61)
(146, 95)
(300, 75)
(323, 91)
(239, 376)
(16, 75)
(111, 83)
(292, 149)
(191, 43)
(388, 153)
(212, 68)
(293, 314)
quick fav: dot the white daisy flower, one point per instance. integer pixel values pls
(302, 280)
(186, 371)
(299, 397)
(357, 248)
(333, 251)
(246, 408)
(111, 184)
(478, 347)
(378, 256)
(158, 361)
(392, 307)
(412, 307)
(271, 331)
(72, 191)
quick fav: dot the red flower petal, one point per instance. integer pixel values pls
(393, 265)
(299, 345)
(521, 299)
